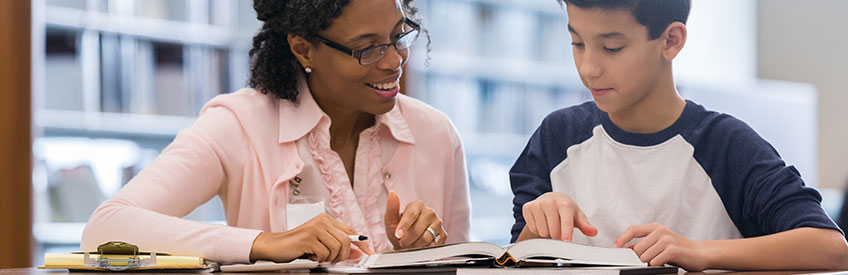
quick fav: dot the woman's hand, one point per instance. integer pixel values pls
(322, 239)
(418, 226)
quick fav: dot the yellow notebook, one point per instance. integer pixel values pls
(77, 262)
(121, 256)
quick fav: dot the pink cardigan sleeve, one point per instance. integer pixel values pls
(192, 170)
(458, 203)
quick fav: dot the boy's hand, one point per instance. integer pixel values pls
(554, 215)
(661, 246)
(410, 228)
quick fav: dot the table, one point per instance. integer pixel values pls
(34, 271)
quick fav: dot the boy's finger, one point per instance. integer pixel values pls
(555, 228)
(567, 226)
(648, 248)
(636, 231)
(648, 241)
(663, 258)
(541, 224)
(583, 224)
(530, 222)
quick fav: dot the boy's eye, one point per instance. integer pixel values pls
(614, 50)
(575, 44)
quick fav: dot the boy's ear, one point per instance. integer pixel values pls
(674, 39)
(302, 49)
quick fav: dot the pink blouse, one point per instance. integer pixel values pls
(246, 146)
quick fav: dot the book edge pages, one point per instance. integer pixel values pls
(574, 253)
(426, 256)
(298, 264)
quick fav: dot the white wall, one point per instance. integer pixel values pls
(721, 46)
(805, 41)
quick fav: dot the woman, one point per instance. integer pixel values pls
(324, 119)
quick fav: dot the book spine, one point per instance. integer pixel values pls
(506, 260)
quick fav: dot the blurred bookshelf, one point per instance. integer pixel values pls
(159, 60)
(496, 68)
(120, 79)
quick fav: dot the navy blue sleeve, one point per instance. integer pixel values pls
(529, 177)
(761, 194)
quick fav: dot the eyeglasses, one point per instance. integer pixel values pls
(374, 53)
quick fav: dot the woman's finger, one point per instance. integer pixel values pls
(408, 218)
(417, 230)
(331, 243)
(443, 235)
(344, 240)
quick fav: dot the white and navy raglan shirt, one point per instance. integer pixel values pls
(708, 176)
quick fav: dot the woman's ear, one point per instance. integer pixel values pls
(674, 39)
(302, 50)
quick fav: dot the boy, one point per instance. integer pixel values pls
(701, 189)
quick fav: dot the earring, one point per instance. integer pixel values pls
(308, 70)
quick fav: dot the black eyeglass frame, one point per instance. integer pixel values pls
(416, 29)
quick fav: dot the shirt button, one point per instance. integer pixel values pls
(387, 176)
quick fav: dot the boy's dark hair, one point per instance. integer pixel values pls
(654, 14)
(273, 67)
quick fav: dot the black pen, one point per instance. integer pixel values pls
(358, 238)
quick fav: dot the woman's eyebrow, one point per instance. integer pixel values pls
(373, 35)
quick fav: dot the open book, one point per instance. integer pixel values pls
(529, 252)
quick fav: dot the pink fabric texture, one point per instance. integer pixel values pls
(243, 148)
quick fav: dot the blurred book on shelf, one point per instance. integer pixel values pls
(120, 79)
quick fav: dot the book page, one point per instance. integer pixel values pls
(569, 252)
(432, 254)
(268, 266)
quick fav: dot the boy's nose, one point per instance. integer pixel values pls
(590, 67)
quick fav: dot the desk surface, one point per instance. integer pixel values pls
(33, 271)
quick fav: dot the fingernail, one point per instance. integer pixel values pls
(399, 233)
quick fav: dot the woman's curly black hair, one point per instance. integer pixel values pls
(273, 67)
